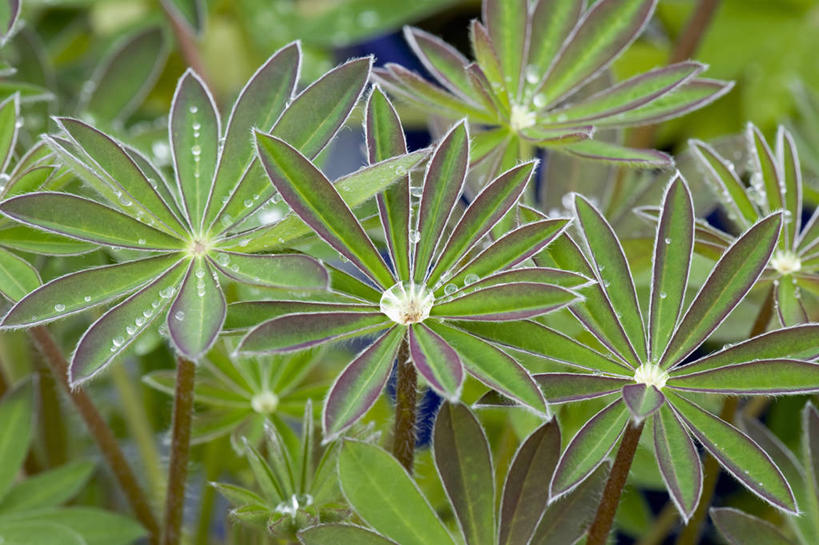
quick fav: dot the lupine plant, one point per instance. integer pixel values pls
(534, 63)
(434, 278)
(402, 515)
(644, 359)
(775, 184)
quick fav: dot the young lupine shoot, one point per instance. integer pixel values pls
(238, 395)
(533, 61)
(296, 478)
(436, 276)
(775, 184)
(644, 372)
(400, 514)
(192, 230)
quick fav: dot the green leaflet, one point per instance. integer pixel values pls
(673, 248)
(740, 456)
(436, 361)
(759, 377)
(589, 447)
(464, 462)
(385, 139)
(17, 276)
(678, 460)
(115, 330)
(551, 23)
(332, 534)
(248, 314)
(47, 489)
(38, 533)
(78, 291)
(733, 275)
(275, 271)
(512, 301)
(17, 415)
(792, 189)
(739, 528)
(87, 220)
(198, 312)
(443, 183)
(318, 204)
(126, 75)
(766, 166)
(526, 489)
(727, 180)
(506, 23)
(441, 59)
(617, 154)
(359, 385)
(28, 239)
(194, 133)
(97, 527)
(614, 273)
(382, 493)
(492, 366)
(566, 387)
(9, 112)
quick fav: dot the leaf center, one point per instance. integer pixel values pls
(407, 303)
(651, 374)
(521, 118)
(786, 262)
(265, 402)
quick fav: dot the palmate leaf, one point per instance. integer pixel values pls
(384, 495)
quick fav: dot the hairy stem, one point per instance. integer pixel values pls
(600, 528)
(180, 451)
(406, 392)
(710, 468)
(100, 431)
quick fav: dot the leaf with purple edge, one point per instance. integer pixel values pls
(436, 361)
(567, 518)
(642, 400)
(566, 387)
(589, 447)
(673, 248)
(766, 166)
(615, 153)
(485, 211)
(788, 158)
(297, 331)
(740, 528)
(276, 271)
(603, 33)
(9, 18)
(488, 60)
(614, 273)
(545, 342)
(357, 387)
(627, 95)
(442, 60)
(810, 441)
(536, 275)
(730, 280)
(198, 312)
(737, 453)
(9, 113)
(316, 201)
(18, 277)
(492, 366)
(788, 343)
(678, 461)
(506, 24)
(28, 239)
(87, 220)
(511, 249)
(688, 97)
(260, 103)
(727, 180)
(248, 314)
(504, 302)
(789, 308)
(526, 488)
(463, 461)
(194, 130)
(386, 497)
(80, 290)
(550, 23)
(115, 330)
(443, 183)
(385, 139)
(760, 377)
(332, 534)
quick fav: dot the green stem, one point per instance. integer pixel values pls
(213, 457)
(406, 393)
(99, 430)
(180, 451)
(600, 528)
(139, 428)
(52, 425)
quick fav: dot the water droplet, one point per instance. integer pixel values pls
(663, 295)
(59, 308)
(539, 101)
(416, 191)
(667, 240)
(532, 74)
(165, 293)
(87, 298)
(400, 170)
(193, 109)
(223, 259)
(196, 150)
(248, 203)
(118, 341)
(196, 125)
(244, 242)
(200, 273)
(179, 315)
(130, 330)
(141, 242)
(449, 289)
(471, 279)
(414, 236)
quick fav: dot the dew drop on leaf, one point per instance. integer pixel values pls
(59, 307)
(471, 279)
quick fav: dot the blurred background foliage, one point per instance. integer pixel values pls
(116, 63)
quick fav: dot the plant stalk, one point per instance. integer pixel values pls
(187, 43)
(710, 468)
(180, 451)
(99, 430)
(406, 393)
(601, 527)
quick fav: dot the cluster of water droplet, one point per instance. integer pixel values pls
(407, 303)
